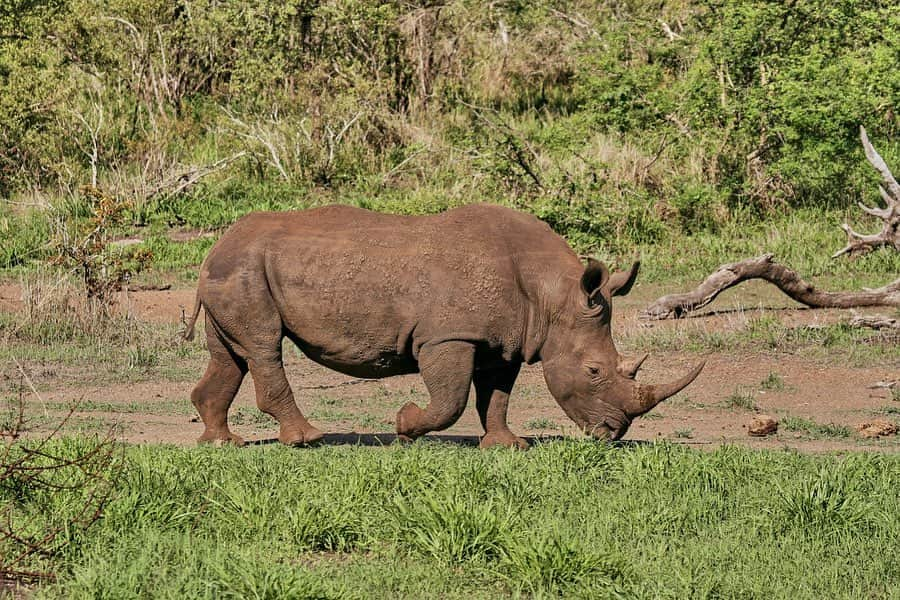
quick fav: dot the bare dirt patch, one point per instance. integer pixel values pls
(716, 409)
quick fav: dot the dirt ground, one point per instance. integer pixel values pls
(826, 391)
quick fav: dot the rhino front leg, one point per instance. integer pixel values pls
(447, 371)
(274, 397)
(492, 389)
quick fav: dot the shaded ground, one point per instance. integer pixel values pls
(801, 390)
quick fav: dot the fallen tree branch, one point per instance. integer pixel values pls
(787, 280)
(885, 385)
(875, 322)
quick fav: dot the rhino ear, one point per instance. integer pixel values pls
(620, 282)
(594, 277)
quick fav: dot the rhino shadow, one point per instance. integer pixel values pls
(386, 439)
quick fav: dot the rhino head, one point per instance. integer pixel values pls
(586, 375)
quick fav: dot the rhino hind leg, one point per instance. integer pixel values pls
(213, 395)
(492, 389)
(447, 371)
(274, 397)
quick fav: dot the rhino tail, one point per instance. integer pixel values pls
(189, 325)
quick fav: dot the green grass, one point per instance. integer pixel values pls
(772, 383)
(122, 341)
(741, 398)
(250, 415)
(179, 407)
(799, 239)
(767, 333)
(565, 519)
(541, 423)
(813, 429)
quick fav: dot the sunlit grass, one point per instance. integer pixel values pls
(569, 519)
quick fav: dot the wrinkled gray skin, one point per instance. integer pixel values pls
(462, 297)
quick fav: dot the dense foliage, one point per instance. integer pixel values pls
(620, 121)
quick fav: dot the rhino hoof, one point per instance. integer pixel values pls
(408, 419)
(300, 437)
(219, 440)
(506, 439)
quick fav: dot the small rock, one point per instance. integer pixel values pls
(876, 428)
(762, 425)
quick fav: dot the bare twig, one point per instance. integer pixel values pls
(515, 144)
(329, 386)
(93, 129)
(256, 134)
(184, 180)
(37, 465)
(30, 384)
(668, 31)
(396, 169)
(577, 21)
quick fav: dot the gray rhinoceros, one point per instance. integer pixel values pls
(462, 297)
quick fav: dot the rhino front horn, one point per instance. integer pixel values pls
(654, 394)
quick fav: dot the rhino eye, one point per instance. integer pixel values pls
(593, 370)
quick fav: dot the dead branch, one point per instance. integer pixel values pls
(183, 181)
(858, 243)
(330, 386)
(787, 280)
(668, 31)
(514, 145)
(874, 321)
(149, 287)
(578, 21)
(885, 385)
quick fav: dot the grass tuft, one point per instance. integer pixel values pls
(540, 423)
(685, 434)
(772, 383)
(742, 398)
(814, 429)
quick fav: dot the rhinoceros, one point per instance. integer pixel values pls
(461, 297)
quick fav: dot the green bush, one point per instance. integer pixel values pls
(621, 124)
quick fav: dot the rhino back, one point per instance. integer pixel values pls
(363, 291)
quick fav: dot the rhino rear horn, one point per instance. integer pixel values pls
(629, 368)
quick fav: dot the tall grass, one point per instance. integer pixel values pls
(570, 519)
(58, 322)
